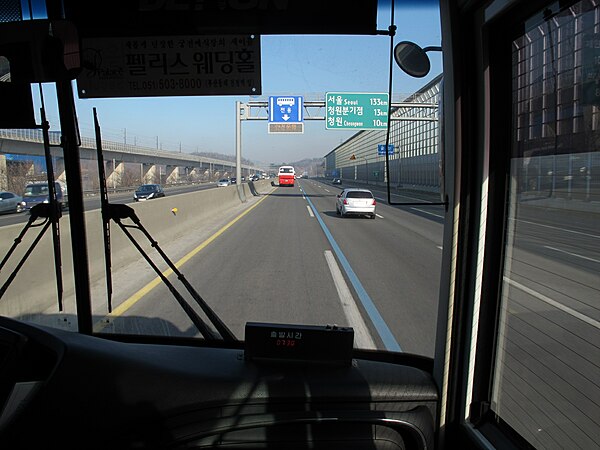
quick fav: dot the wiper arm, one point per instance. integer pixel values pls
(52, 213)
(104, 210)
(118, 213)
(55, 209)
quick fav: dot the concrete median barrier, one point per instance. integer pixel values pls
(34, 290)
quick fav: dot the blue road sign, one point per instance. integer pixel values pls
(285, 115)
(381, 149)
(285, 109)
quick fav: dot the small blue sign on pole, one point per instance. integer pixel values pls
(286, 114)
(381, 149)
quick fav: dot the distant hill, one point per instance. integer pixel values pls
(312, 166)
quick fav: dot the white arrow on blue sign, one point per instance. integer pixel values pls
(286, 109)
(381, 149)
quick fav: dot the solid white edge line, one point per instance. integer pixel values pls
(310, 211)
(381, 217)
(362, 336)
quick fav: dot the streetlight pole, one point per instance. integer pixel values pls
(353, 158)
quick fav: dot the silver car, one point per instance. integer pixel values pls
(10, 202)
(356, 201)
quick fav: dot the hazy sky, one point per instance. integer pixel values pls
(306, 66)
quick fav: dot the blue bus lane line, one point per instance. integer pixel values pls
(388, 339)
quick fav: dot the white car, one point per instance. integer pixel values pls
(224, 182)
(356, 201)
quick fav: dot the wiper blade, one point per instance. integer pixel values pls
(118, 213)
(104, 209)
(55, 210)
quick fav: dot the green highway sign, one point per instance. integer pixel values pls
(356, 111)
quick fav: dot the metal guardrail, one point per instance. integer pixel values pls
(33, 135)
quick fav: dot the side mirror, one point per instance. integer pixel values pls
(412, 59)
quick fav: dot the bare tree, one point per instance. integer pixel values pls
(130, 177)
(18, 174)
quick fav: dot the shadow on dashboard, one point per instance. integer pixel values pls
(70, 390)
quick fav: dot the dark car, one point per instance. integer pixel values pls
(148, 191)
(37, 192)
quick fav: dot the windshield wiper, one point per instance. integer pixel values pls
(55, 208)
(118, 213)
(52, 213)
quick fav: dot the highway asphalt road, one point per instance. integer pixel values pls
(291, 259)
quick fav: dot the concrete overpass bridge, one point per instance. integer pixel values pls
(146, 164)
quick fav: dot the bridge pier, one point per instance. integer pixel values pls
(172, 173)
(59, 169)
(149, 173)
(115, 170)
(195, 174)
(190, 174)
(206, 174)
(209, 172)
(3, 173)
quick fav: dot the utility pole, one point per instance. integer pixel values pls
(240, 111)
